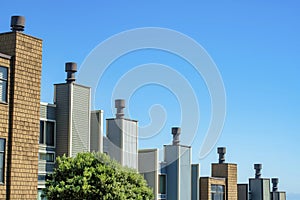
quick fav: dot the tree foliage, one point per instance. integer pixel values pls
(93, 176)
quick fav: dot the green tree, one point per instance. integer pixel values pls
(93, 176)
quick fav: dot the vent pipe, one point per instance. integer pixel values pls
(221, 152)
(17, 23)
(120, 105)
(257, 168)
(71, 69)
(176, 133)
(275, 182)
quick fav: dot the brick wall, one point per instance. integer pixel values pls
(24, 101)
(205, 186)
(228, 171)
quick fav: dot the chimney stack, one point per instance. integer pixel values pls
(275, 184)
(257, 168)
(221, 152)
(176, 132)
(120, 105)
(17, 23)
(71, 68)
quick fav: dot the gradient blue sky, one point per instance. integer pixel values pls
(255, 45)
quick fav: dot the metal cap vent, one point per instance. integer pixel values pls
(176, 133)
(120, 105)
(221, 152)
(257, 168)
(17, 23)
(71, 69)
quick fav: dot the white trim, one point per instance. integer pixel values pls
(89, 122)
(70, 118)
(47, 104)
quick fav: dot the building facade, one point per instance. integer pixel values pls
(33, 134)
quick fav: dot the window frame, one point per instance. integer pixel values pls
(6, 88)
(4, 151)
(162, 196)
(45, 161)
(217, 192)
(44, 144)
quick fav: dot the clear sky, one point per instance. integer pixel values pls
(254, 44)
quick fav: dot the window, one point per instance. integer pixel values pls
(3, 84)
(162, 184)
(217, 192)
(47, 133)
(48, 157)
(2, 159)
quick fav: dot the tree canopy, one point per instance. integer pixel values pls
(93, 176)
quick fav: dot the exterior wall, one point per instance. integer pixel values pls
(80, 119)
(242, 191)
(4, 122)
(123, 135)
(61, 100)
(24, 107)
(259, 189)
(73, 118)
(178, 167)
(205, 186)
(195, 173)
(96, 139)
(47, 113)
(278, 196)
(228, 171)
(148, 167)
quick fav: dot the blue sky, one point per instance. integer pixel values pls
(255, 45)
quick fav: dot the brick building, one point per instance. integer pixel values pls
(20, 76)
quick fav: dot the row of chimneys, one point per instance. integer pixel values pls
(257, 167)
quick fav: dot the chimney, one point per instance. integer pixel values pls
(221, 152)
(176, 132)
(71, 68)
(275, 184)
(257, 168)
(120, 105)
(17, 23)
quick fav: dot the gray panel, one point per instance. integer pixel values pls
(80, 119)
(114, 136)
(185, 173)
(171, 158)
(96, 140)
(195, 181)
(242, 191)
(259, 189)
(61, 100)
(148, 166)
(130, 144)
(47, 111)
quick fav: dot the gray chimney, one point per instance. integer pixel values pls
(176, 132)
(221, 152)
(17, 23)
(257, 168)
(275, 184)
(71, 68)
(120, 105)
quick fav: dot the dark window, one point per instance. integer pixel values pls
(47, 133)
(41, 132)
(2, 159)
(50, 133)
(217, 192)
(162, 184)
(3, 84)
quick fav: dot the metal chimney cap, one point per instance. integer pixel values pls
(120, 103)
(176, 130)
(71, 67)
(258, 166)
(275, 180)
(221, 150)
(17, 23)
